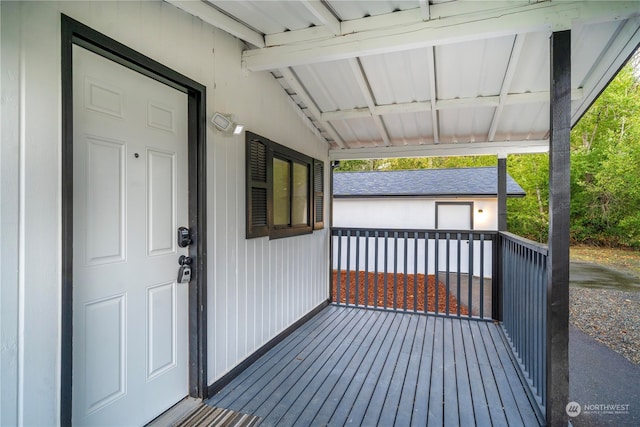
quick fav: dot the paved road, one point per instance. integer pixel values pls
(598, 375)
(587, 275)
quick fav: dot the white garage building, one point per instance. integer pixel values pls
(452, 199)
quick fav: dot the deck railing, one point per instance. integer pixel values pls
(444, 272)
(524, 320)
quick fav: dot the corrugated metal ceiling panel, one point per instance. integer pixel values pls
(513, 127)
(411, 129)
(587, 43)
(332, 85)
(465, 125)
(358, 132)
(353, 9)
(269, 17)
(469, 76)
(398, 77)
(468, 70)
(532, 71)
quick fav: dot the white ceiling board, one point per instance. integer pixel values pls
(532, 72)
(324, 15)
(512, 125)
(472, 69)
(407, 127)
(269, 17)
(432, 74)
(352, 9)
(398, 77)
(358, 132)
(587, 43)
(465, 125)
(488, 23)
(214, 17)
(332, 85)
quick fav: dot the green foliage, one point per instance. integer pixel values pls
(605, 206)
(529, 216)
(416, 163)
(605, 173)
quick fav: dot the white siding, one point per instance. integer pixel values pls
(411, 213)
(256, 288)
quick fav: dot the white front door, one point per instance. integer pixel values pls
(130, 317)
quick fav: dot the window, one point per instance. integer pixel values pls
(285, 190)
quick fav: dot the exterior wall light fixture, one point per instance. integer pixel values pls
(224, 124)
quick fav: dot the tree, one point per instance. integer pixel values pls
(605, 205)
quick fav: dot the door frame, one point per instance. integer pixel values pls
(76, 33)
(470, 204)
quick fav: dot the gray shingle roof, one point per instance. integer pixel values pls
(424, 182)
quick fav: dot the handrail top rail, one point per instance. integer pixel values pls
(529, 244)
(491, 234)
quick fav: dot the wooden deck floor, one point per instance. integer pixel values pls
(363, 367)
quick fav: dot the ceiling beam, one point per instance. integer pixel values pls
(518, 43)
(487, 23)
(295, 84)
(443, 150)
(363, 84)
(324, 15)
(425, 9)
(396, 19)
(444, 104)
(210, 15)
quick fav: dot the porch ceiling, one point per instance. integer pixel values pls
(389, 78)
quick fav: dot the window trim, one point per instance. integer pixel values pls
(273, 151)
(288, 155)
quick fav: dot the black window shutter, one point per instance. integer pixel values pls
(257, 186)
(318, 194)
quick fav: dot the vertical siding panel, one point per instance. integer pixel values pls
(256, 288)
(233, 283)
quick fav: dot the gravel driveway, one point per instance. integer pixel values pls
(604, 347)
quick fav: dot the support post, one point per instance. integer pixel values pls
(502, 193)
(498, 278)
(558, 260)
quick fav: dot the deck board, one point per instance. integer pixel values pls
(478, 396)
(352, 366)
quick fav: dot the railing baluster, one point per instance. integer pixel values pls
(459, 264)
(339, 270)
(406, 272)
(375, 277)
(425, 291)
(415, 271)
(447, 274)
(357, 272)
(386, 270)
(482, 275)
(348, 278)
(437, 272)
(366, 268)
(395, 270)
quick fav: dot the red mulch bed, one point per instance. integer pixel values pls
(412, 297)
